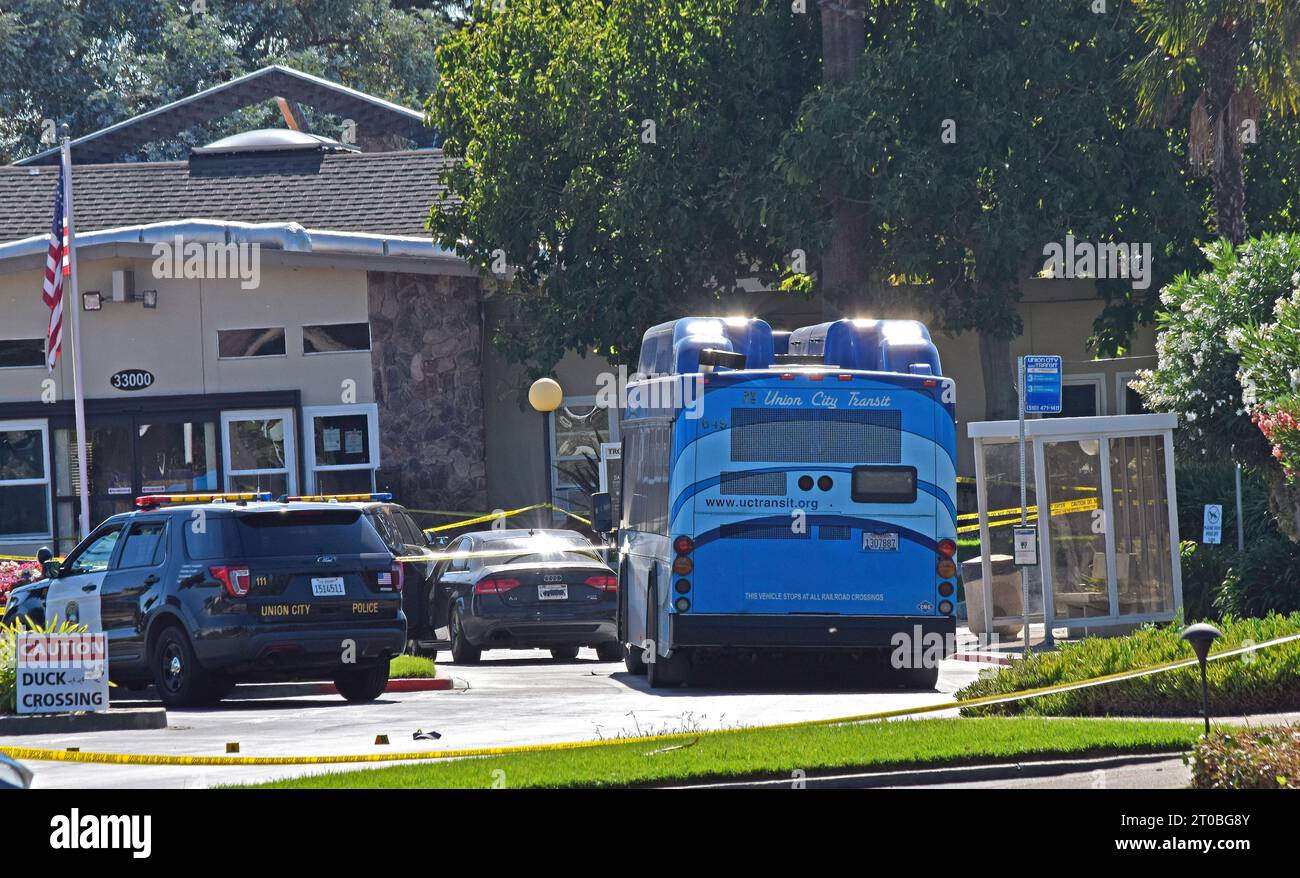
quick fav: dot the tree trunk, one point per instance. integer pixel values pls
(844, 268)
(1220, 55)
(1000, 396)
(1284, 502)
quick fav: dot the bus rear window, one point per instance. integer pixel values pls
(884, 484)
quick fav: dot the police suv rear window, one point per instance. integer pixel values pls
(288, 532)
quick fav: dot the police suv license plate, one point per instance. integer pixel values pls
(879, 542)
(553, 591)
(327, 586)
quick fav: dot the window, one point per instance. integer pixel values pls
(456, 565)
(343, 448)
(24, 479)
(577, 430)
(307, 532)
(243, 343)
(98, 552)
(1081, 397)
(259, 450)
(645, 474)
(177, 457)
(18, 353)
(335, 337)
(1128, 400)
(145, 545)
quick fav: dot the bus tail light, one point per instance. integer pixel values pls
(947, 548)
(946, 569)
(683, 545)
(945, 589)
(235, 579)
(682, 586)
(495, 585)
(682, 604)
(945, 608)
(604, 583)
(682, 565)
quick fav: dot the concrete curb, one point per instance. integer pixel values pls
(114, 720)
(946, 775)
(983, 658)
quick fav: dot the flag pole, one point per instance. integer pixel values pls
(74, 301)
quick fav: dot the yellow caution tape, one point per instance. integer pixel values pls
(50, 755)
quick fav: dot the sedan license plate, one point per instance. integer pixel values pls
(879, 542)
(555, 591)
(328, 587)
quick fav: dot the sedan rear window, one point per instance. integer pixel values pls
(539, 551)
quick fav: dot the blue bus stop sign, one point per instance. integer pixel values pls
(1042, 385)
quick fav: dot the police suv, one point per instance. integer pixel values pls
(199, 592)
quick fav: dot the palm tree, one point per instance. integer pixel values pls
(1240, 55)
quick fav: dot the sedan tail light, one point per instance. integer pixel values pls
(495, 585)
(604, 583)
(235, 579)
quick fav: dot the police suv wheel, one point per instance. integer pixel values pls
(177, 675)
(363, 684)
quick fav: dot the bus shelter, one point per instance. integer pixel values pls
(1108, 545)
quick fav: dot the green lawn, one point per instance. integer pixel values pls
(406, 667)
(779, 752)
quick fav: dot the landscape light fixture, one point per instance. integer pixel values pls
(1201, 636)
(149, 298)
(92, 301)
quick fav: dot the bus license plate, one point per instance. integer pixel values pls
(554, 592)
(880, 542)
(327, 586)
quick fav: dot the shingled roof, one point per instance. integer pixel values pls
(380, 192)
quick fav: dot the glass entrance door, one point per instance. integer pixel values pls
(129, 455)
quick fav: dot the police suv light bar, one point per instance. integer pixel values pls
(382, 496)
(148, 501)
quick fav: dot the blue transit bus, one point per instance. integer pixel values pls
(788, 492)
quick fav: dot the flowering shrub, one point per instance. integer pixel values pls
(1203, 333)
(1270, 372)
(1282, 430)
(16, 573)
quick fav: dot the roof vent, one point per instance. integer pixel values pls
(272, 140)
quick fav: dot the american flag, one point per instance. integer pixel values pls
(56, 267)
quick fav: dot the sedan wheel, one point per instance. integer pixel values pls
(462, 651)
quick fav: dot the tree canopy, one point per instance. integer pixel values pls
(96, 62)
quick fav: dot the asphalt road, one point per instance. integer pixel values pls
(510, 698)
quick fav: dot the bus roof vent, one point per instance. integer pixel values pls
(872, 345)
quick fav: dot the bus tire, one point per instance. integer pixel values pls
(633, 661)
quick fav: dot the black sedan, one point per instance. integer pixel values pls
(530, 589)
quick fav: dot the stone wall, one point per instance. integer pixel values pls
(426, 341)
